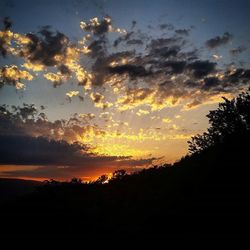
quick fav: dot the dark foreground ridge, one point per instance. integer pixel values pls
(11, 189)
(204, 196)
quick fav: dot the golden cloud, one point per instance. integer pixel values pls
(13, 75)
(72, 93)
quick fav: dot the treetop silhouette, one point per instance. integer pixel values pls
(232, 117)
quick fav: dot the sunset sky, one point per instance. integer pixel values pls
(88, 87)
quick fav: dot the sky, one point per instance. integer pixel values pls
(88, 87)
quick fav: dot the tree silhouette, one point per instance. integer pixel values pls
(102, 179)
(230, 118)
(119, 174)
(76, 181)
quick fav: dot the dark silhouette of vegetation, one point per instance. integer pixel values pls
(231, 118)
(102, 179)
(205, 193)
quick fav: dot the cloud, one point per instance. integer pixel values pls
(88, 116)
(135, 97)
(99, 102)
(175, 67)
(211, 82)
(12, 75)
(96, 97)
(26, 150)
(169, 66)
(7, 23)
(165, 52)
(143, 73)
(142, 112)
(58, 159)
(124, 38)
(96, 26)
(237, 76)
(29, 120)
(97, 48)
(166, 120)
(5, 36)
(135, 42)
(56, 78)
(100, 67)
(238, 50)
(164, 42)
(44, 46)
(60, 149)
(201, 68)
(216, 57)
(167, 26)
(184, 32)
(45, 51)
(132, 70)
(72, 93)
(219, 40)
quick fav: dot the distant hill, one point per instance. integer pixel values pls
(10, 189)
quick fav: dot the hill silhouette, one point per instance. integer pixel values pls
(11, 189)
(204, 195)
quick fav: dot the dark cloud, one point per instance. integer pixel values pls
(176, 67)
(97, 97)
(238, 75)
(4, 39)
(26, 150)
(132, 70)
(26, 140)
(166, 64)
(219, 40)
(101, 66)
(98, 48)
(64, 69)
(135, 42)
(44, 46)
(201, 68)
(123, 38)
(166, 26)
(238, 50)
(3, 45)
(29, 120)
(131, 38)
(184, 32)
(133, 24)
(165, 52)
(58, 159)
(191, 84)
(98, 28)
(99, 69)
(7, 23)
(211, 82)
(164, 42)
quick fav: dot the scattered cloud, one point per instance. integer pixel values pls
(165, 72)
(12, 75)
(219, 40)
(126, 73)
(238, 50)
